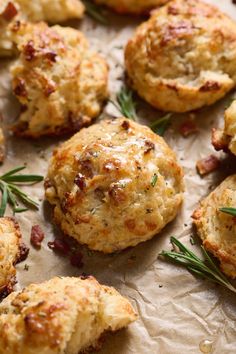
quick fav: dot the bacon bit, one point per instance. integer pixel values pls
(29, 51)
(87, 168)
(80, 181)
(149, 145)
(125, 124)
(10, 12)
(37, 236)
(47, 183)
(76, 259)
(84, 276)
(23, 253)
(78, 121)
(51, 56)
(59, 246)
(20, 88)
(49, 88)
(180, 29)
(207, 165)
(187, 128)
(219, 140)
(117, 193)
(210, 86)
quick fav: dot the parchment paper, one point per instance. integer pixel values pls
(176, 311)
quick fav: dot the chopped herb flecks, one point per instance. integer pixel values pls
(154, 180)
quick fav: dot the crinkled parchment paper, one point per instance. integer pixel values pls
(176, 311)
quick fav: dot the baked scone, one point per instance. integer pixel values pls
(59, 82)
(11, 248)
(183, 57)
(62, 315)
(114, 185)
(132, 6)
(226, 139)
(53, 11)
(217, 229)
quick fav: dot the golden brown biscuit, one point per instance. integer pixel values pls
(184, 57)
(62, 315)
(59, 82)
(132, 6)
(114, 185)
(53, 11)
(217, 229)
(11, 248)
(226, 139)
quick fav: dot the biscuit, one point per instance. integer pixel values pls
(217, 229)
(132, 6)
(114, 185)
(183, 57)
(226, 139)
(11, 252)
(62, 315)
(59, 82)
(53, 11)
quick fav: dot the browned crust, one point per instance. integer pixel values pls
(21, 130)
(123, 10)
(21, 255)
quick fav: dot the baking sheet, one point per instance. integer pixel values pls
(177, 312)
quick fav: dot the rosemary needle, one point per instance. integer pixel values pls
(205, 268)
(95, 12)
(125, 103)
(230, 211)
(127, 107)
(160, 125)
(12, 194)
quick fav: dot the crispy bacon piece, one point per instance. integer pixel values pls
(219, 140)
(210, 86)
(207, 165)
(10, 12)
(59, 246)
(187, 128)
(80, 181)
(29, 51)
(20, 87)
(76, 259)
(125, 125)
(37, 236)
(23, 254)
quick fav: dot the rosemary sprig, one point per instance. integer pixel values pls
(160, 125)
(12, 194)
(230, 211)
(127, 107)
(125, 103)
(205, 268)
(95, 12)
